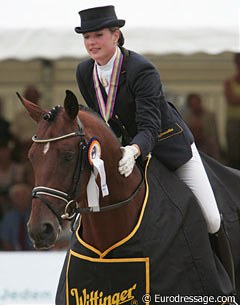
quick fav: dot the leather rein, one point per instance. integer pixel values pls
(72, 207)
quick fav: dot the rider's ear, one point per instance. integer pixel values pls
(71, 104)
(34, 110)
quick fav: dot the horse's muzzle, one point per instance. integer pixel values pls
(44, 235)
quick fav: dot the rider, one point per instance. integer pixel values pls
(126, 90)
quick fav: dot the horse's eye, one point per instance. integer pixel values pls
(68, 156)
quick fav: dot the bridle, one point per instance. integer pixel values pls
(72, 207)
(41, 191)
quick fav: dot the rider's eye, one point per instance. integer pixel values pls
(68, 156)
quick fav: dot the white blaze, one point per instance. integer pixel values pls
(46, 148)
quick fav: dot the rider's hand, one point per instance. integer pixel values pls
(126, 164)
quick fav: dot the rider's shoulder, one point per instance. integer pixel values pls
(85, 64)
(137, 62)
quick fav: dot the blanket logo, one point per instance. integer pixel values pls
(98, 298)
(106, 281)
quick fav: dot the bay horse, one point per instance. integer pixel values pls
(144, 240)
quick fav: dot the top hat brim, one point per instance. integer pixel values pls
(96, 27)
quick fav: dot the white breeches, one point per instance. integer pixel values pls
(194, 175)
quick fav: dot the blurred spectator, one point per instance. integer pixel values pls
(232, 95)
(203, 126)
(23, 126)
(5, 134)
(4, 207)
(14, 234)
(10, 171)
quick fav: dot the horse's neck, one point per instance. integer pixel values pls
(103, 229)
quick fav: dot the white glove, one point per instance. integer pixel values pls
(126, 164)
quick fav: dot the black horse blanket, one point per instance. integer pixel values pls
(167, 257)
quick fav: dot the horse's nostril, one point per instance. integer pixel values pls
(47, 230)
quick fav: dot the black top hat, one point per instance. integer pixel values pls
(97, 18)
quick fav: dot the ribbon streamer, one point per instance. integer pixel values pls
(97, 163)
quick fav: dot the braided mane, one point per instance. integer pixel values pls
(51, 114)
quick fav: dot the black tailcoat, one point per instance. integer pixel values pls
(150, 121)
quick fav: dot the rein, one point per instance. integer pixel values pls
(40, 191)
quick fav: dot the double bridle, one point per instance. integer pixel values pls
(72, 207)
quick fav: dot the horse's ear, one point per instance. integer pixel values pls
(34, 110)
(71, 104)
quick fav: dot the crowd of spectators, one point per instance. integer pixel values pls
(203, 123)
(232, 97)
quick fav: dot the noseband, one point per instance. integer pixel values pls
(72, 207)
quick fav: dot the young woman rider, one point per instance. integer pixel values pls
(126, 90)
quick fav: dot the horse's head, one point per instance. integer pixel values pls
(55, 158)
(58, 156)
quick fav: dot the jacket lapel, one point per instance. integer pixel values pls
(123, 74)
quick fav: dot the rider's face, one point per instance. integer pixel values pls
(101, 45)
